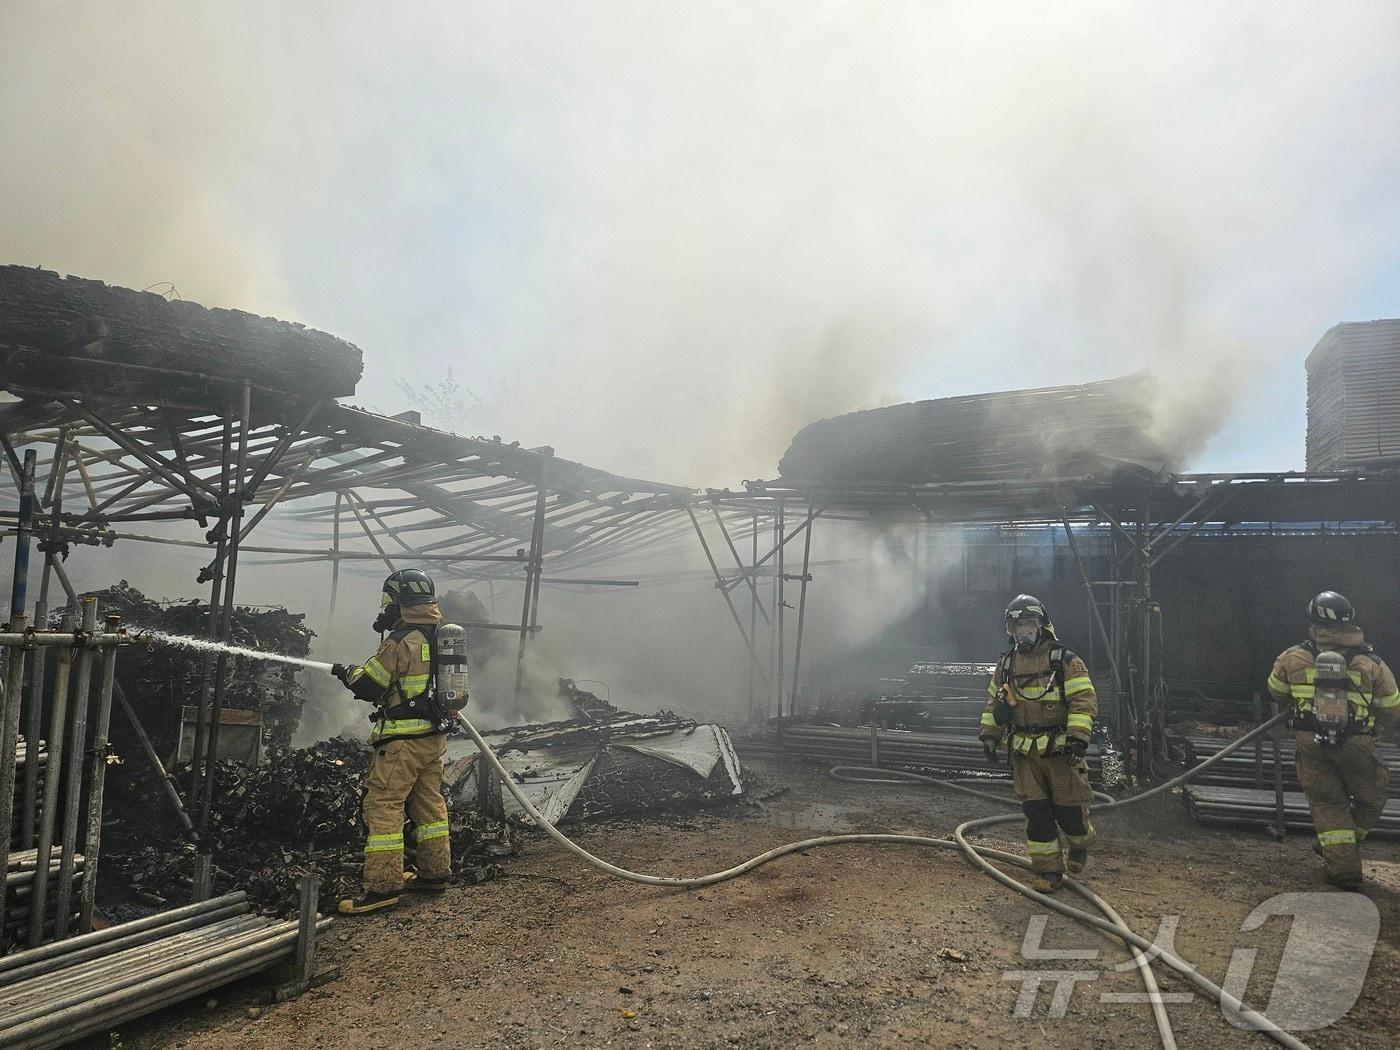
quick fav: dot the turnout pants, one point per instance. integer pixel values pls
(1346, 788)
(1055, 795)
(405, 774)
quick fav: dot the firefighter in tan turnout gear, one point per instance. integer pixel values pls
(1340, 693)
(409, 739)
(1041, 698)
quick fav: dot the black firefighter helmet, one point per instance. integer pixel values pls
(403, 590)
(1026, 620)
(1330, 609)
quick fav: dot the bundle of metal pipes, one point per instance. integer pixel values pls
(1249, 806)
(61, 681)
(20, 873)
(19, 819)
(85, 985)
(897, 749)
(942, 715)
(1253, 766)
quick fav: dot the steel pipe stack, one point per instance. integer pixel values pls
(1209, 804)
(84, 985)
(899, 749)
(20, 874)
(1242, 769)
(54, 808)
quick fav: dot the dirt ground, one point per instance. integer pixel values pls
(880, 944)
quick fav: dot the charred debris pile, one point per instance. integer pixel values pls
(297, 814)
(159, 681)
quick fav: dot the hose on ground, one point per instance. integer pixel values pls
(1113, 924)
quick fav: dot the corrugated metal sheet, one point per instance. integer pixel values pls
(1354, 397)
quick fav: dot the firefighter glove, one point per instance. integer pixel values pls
(341, 671)
(989, 748)
(1075, 747)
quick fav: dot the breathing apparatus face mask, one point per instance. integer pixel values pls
(388, 613)
(1024, 633)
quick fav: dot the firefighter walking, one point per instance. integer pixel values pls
(1340, 693)
(1041, 698)
(409, 740)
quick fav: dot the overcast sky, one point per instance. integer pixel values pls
(663, 236)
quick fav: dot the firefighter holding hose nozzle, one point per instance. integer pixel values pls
(1041, 700)
(416, 682)
(1340, 693)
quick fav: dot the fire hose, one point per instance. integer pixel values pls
(1144, 951)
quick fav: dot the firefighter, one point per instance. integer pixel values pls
(1340, 693)
(409, 741)
(1041, 698)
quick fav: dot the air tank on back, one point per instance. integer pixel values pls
(451, 667)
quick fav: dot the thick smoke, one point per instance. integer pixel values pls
(689, 229)
(692, 228)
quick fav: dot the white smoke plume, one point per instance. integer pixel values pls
(691, 228)
(681, 231)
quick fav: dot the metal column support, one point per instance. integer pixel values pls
(335, 563)
(728, 600)
(1093, 605)
(753, 614)
(97, 779)
(234, 518)
(9, 741)
(739, 562)
(19, 591)
(73, 778)
(33, 730)
(58, 735)
(533, 570)
(802, 610)
(206, 692)
(540, 510)
(780, 653)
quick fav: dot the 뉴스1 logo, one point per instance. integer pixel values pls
(1320, 973)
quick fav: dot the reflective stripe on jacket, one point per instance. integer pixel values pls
(1037, 700)
(400, 672)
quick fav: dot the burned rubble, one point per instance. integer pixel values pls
(158, 680)
(298, 814)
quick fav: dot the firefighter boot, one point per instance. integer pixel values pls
(415, 883)
(1348, 881)
(1076, 860)
(367, 902)
(1047, 881)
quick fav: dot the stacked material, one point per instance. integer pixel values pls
(934, 753)
(1254, 766)
(1237, 807)
(927, 715)
(86, 985)
(1354, 397)
(53, 329)
(156, 679)
(19, 883)
(1101, 429)
(1240, 790)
